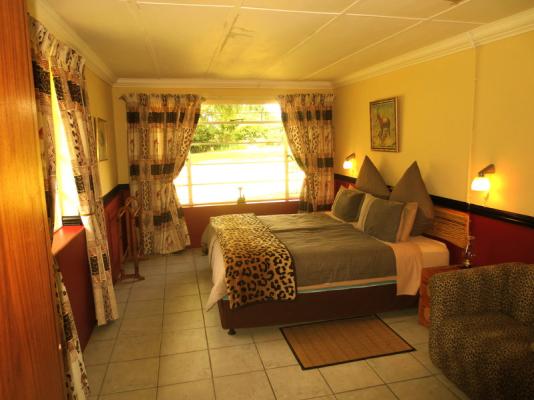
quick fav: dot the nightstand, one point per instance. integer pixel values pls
(424, 295)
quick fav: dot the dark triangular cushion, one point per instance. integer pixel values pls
(370, 181)
(411, 188)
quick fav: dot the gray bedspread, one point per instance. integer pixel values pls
(326, 250)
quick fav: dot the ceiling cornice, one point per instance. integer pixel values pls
(221, 84)
(43, 11)
(501, 29)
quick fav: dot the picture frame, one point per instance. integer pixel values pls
(101, 139)
(384, 125)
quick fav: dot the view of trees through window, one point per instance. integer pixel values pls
(239, 148)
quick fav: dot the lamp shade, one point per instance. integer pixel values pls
(480, 184)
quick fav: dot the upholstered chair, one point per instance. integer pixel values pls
(482, 330)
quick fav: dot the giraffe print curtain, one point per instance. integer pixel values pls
(307, 120)
(42, 45)
(160, 132)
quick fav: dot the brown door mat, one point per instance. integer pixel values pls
(334, 342)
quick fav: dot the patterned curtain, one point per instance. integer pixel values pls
(307, 121)
(42, 45)
(160, 132)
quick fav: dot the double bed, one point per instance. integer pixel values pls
(339, 270)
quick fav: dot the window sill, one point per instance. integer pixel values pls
(241, 204)
(63, 236)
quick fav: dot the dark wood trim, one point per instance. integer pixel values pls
(501, 215)
(344, 178)
(113, 192)
(506, 216)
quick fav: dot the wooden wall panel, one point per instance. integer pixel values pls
(30, 360)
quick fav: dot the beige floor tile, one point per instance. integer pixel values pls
(145, 394)
(398, 367)
(452, 387)
(373, 393)
(131, 375)
(183, 320)
(142, 326)
(292, 383)
(350, 376)
(122, 294)
(121, 308)
(411, 331)
(182, 266)
(156, 260)
(98, 352)
(204, 299)
(276, 353)
(212, 317)
(177, 278)
(422, 389)
(266, 334)
(151, 281)
(205, 286)
(183, 341)
(235, 360)
(399, 315)
(218, 337)
(184, 367)
(106, 332)
(253, 385)
(150, 269)
(147, 293)
(95, 376)
(421, 355)
(146, 308)
(136, 347)
(198, 390)
(182, 303)
(181, 289)
(202, 264)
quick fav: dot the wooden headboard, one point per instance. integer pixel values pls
(451, 226)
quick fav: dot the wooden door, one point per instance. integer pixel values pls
(30, 357)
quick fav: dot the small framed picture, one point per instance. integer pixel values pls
(384, 127)
(101, 139)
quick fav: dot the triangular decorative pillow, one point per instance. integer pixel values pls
(370, 181)
(411, 188)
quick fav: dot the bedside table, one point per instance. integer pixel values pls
(424, 295)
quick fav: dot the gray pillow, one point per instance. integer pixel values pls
(370, 181)
(347, 204)
(383, 219)
(411, 188)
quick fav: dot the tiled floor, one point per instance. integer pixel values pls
(165, 347)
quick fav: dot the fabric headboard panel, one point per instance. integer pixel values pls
(450, 225)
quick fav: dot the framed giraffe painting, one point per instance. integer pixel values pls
(384, 126)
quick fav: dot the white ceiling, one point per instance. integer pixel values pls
(267, 39)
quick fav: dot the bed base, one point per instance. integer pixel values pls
(328, 305)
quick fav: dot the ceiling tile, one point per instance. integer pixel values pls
(424, 34)
(116, 29)
(302, 5)
(253, 45)
(345, 35)
(184, 38)
(487, 10)
(401, 8)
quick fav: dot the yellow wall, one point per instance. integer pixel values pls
(220, 95)
(451, 126)
(101, 106)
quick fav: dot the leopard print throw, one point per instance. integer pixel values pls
(258, 266)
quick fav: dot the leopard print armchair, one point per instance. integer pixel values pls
(482, 330)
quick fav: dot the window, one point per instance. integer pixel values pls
(66, 194)
(239, 149)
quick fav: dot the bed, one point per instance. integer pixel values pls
(330, 280)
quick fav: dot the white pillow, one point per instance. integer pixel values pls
(364, 210)
(406, 223)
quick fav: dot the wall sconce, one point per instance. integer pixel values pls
(481, 183)
(349, 161)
